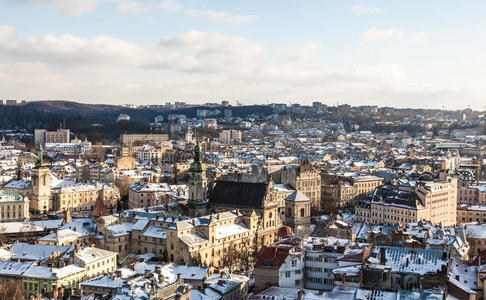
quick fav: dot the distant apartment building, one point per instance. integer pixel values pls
(344, 191)
(154, 154)
(230, 137)
(471, 194)
(75, 147)
(132, 139)
(211, 123)
(433, 201)
(96, 261)
(471, 213)
(143, 194)
(60, 136)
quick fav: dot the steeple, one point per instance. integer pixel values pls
(100, 208)
(20, 170)
(197, 166)
(40, 157)
(197, 179)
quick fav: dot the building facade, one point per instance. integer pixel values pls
(13, 207)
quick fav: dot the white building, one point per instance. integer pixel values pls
(123, 117)
(96, 261)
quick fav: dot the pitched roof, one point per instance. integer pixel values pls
(272, 256)
(239, 194)
(100, 208)
(297, 196)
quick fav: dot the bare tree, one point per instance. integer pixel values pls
(14, 291)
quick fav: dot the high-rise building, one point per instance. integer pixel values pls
(230, 136)
(42, 136)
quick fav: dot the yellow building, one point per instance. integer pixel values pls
(41, 279)
(306, 179)
(96, 261)
(81, 196)
(13, 207)
(433, 201)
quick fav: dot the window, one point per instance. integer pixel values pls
(294, 263)
(287, 274)
(302, 212)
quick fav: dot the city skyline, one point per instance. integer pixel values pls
(398, 54)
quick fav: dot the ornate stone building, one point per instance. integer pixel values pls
(306, 179)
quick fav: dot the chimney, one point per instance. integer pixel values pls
(222, 273)
(220, 282)
(382, 255)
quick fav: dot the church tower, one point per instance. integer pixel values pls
(197, 180)
(41, 185)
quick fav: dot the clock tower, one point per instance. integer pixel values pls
(197, 180)
(41, 185)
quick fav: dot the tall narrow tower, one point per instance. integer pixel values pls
(197, 180)
(41, 185)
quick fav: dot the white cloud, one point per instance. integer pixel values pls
(365, 10)
(304, 52)
(193, 66)
(417, 37)
(169, 5)
(392, 34)
(70, 8)
(133, 7)
(377, 35)
(221, 16)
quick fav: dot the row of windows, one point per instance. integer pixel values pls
(320, 259)
(320, 280)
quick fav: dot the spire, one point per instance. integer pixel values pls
(19, 171)
(197, 152)
(40, 157)
(100, 208)
(197, 166)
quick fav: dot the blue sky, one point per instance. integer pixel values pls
(402, 53)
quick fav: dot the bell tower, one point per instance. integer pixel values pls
(197, 179)
(41, 185)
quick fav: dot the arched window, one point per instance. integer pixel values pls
(270, 215)
(290, 212)
(302, 212)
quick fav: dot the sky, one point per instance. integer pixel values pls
(408, 53)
